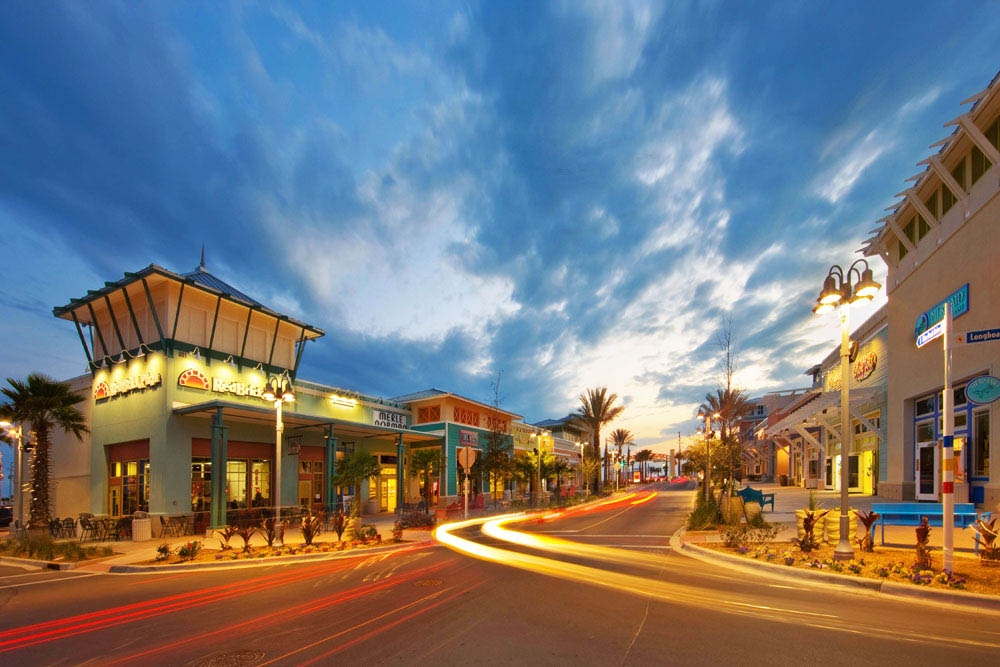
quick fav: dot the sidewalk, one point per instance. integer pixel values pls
(788, 499)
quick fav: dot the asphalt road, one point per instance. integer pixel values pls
(621, 598)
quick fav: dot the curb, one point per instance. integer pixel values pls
(256, 562)
(893, 589)
(44, 564)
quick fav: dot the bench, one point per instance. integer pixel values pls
(910, 514)
(751, 495)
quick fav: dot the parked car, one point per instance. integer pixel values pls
(6, 515)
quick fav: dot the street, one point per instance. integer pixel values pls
(630, 601)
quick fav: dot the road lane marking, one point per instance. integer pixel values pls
(79, 575)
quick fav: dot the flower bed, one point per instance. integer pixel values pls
(47, 549)
(205, 555)
(886, 563)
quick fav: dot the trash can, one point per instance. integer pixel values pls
(783, 480)
(142, 527)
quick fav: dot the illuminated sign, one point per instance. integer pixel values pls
(195, 379)
(865, 366)
(344, 401)
(388, 419)
(127, 385)
(959, 301)
(930, 334)
(468, 438)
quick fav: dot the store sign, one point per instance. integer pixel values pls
(984, 389)
(468, 438)
(388, 419)
(865, 366)
(195, 379)
(928, 335)
(127, 385)
(959, 301)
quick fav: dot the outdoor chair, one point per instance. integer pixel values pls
(167, 528)
(123, 529)
(69, 527)
(55, 528)
(88, 528)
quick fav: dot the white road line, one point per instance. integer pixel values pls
(80, 575)
(27, 574)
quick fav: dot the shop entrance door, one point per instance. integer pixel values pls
(387, 491)
(305, 492)
(927, 472)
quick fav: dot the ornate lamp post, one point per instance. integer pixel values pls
(838, 293)
(278, 391)
(17, 497)
(707, 418)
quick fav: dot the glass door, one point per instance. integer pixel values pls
(927, 472)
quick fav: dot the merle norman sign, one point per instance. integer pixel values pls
(387, 419)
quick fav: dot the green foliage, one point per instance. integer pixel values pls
(45, 404)
(354, 470)
(705, 514)
(43, 547)
(163, 551)
(424, 462)
(189, 550)
(397, 531)
(596, 409)
(368, 533)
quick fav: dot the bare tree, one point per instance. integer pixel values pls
(726, 342)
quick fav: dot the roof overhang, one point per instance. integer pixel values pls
(342, 429)
(809, 414)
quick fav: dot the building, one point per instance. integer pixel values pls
(809, 426)
(763, 458)
(177, 366)
(941, 242)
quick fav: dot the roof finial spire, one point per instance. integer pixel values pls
(202, 265)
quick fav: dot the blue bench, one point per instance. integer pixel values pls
(750, 495)
(910, 514)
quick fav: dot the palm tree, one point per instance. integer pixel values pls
(622, 437)
(354, 470)
(525, 469)
(45, 404)
(731, 405)
(643, 457)
(597, 409)
(426, 462)
(588, 468)
(558, 469)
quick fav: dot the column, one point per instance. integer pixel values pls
(332, 499)
(400, 479)
(219, 459)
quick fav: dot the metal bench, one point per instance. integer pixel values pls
(910, 514)
(751, 495)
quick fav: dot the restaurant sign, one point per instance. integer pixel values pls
(865, 366)
(468, 438)
(983, 390)
(387, 419)
(195, 379)
(127, 385)
(959, 300)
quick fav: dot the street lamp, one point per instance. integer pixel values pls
(17, 434)
(838, 292)
(707, 418)
(278, 391)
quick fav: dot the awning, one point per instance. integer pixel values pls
(819, 412)
(266, 416)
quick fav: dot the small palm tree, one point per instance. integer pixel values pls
(558, 469)
(354, 470)
(643, 457)
(596, 409)
(426, 462)
(45, 404)
(622, 438)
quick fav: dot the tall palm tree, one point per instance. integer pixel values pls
(622, 437)
(426, 462)
(731, 405)
(354, 470)
(558, 469)
(596, 409)
(45, 404)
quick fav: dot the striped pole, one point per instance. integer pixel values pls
(948, 453)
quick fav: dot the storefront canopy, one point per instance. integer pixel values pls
(342, 429)
(822, 410)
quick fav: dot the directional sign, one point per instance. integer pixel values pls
(984, 389)
(467, 456)
(934, 332)
(981, 336)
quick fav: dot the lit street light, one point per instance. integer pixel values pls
(708, 452)
(838, 292)
(278, 391)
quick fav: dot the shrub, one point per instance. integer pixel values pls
(246, 531)
(310, 527)
(369, 532)
(225, 534)
(923, 537)
(705, 514)
(189, 550)
(339, 523)
(397, 532)
(986, 539)
(273, 529)
(808, 540)
(163, 551)
(867, 519)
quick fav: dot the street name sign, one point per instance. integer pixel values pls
(981, 336)
(930, 334)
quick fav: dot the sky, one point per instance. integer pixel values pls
(575, 194)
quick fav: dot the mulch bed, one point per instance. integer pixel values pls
(886, 563)
(206, 555)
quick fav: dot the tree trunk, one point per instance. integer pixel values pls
(39, 512)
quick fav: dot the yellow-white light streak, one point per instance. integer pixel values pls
(670, 592)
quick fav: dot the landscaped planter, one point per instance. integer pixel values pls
(800, 516)
(832, 522)
(731, 508)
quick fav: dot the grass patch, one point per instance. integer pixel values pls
(43, 547)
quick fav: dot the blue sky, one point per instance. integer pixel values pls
(574, 193)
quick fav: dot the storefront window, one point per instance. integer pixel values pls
(925, 432)
(248, 483)
(201, 484)
(925, 406)
(981, 444)
(129, 487)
